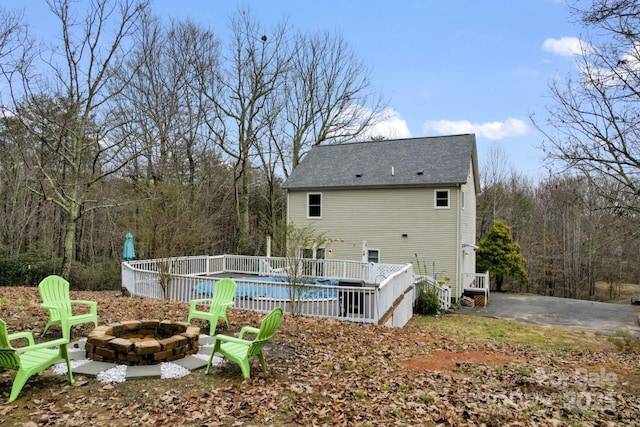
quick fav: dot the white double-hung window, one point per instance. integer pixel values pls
(441, 199)
(314, 205)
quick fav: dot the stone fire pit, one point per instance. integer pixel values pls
(142, 342)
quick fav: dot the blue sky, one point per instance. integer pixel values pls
(446, 66)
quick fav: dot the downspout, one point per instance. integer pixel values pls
(288, 204)
(457, 294)
(286, 243)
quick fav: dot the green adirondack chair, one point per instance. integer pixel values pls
(31, 359)
(224, 291)
(241, 351)
(54, 291)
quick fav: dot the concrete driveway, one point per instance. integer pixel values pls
(597, 317)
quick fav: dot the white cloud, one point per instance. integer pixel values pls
(489, 130)
(391, 126)
(6, 113)
(566, 46)
(630, 62)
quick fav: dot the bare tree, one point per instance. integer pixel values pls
(329, 96)
(180, 185)
(17, 204)
(13, 171)
(506, 195)
(269, 153)
(255, 68)
(572, 240)
(162, 104)
(492, 200)
(281, 93)
(13, 37)
(125, 112)
(298, 269)
(66, 111)
(596, 116)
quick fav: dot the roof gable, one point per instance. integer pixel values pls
(425, 161)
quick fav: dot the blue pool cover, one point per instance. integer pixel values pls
(251, 290)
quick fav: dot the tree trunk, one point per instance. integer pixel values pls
(243, 213)
(70, 240)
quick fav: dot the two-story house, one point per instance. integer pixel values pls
(393, 201)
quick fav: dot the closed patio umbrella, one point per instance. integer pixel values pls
(128, 253)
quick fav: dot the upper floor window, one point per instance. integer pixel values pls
(314, 205)
(441, 199)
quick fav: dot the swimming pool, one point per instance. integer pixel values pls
(274, 288)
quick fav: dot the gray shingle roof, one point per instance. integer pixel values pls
(424, 161)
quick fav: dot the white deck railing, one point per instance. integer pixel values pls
(367, 292)
(396, 297)
(477, 282)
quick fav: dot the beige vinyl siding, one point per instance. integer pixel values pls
(381, 217)
(468, 225)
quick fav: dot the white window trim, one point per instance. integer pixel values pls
(314, 217)
(373, 249)
(435, 199)
(314, 252)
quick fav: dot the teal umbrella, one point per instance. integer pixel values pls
(128, 253)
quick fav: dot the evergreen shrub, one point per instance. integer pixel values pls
(427, 302)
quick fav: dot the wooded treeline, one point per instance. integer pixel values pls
(127, 123)
(567, 232)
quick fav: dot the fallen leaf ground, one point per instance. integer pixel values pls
(450, 370)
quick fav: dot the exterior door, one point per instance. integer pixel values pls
(315, 267)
